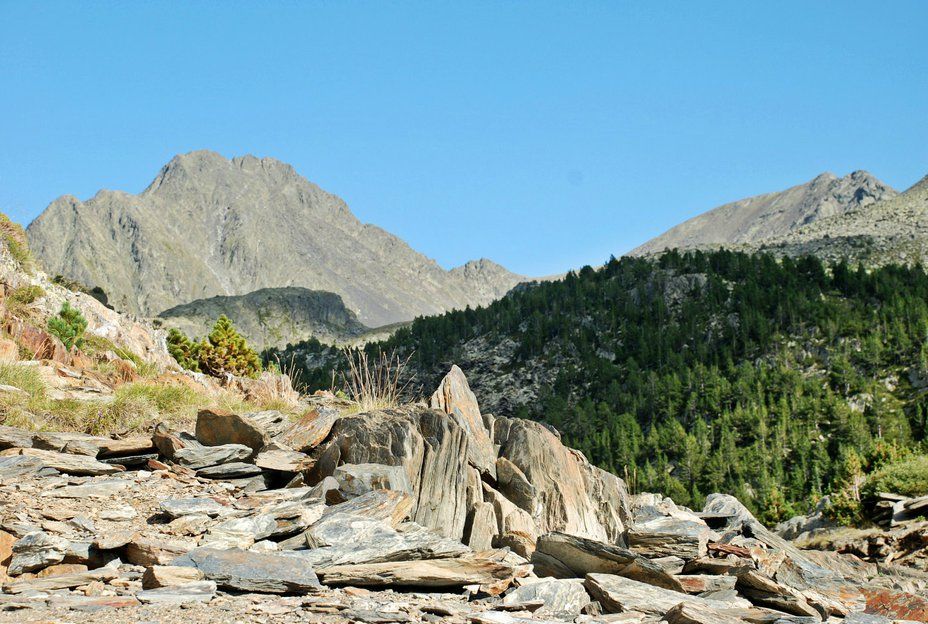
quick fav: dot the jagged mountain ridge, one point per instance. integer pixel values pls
(271, 317)
(751, 221)
(209, 226)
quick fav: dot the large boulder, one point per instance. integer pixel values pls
(428, 445)
(455, 398)
(570, 494)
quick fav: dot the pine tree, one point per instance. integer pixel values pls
(225, 351)
(68, 326)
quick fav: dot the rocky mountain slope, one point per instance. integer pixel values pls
(271, 317)
(891, 230)
(401, 515)
(773, 215)
(207, 226)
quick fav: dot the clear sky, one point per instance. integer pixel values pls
(542, 135)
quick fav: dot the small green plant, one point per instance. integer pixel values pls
(68, 326)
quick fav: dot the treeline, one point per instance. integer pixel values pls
(769, 379)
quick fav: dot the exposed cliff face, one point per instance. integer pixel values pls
(271, 317)
(757, 219)
(209, 226)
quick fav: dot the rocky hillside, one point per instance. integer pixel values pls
(271, 317)
(891, 230)
(402, 515)
(207, 226)
(773, 215)
(679, 370)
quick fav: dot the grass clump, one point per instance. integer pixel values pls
(374, 383)
(14, 237)
(908, 477)
(22, 296)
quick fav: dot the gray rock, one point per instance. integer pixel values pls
(482, 527)
(341, 539)
(12, 437)
(561, 596)
(617, 594)
(241, 570)
(198, 457)
(196, 591)
(232, 470)
(178, 507)
(669, 536)
(36, 551)
(571, 495)
(357, 479)
(455, 398)
(70, 464)
(583, 556)
(430, 573)
(95, 489)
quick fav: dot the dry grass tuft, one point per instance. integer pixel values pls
(374, 384)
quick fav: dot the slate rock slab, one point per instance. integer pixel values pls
(242, 570)
(197, 457)
(196, 591)
(561, 596)
(232, 470)
(179, 507)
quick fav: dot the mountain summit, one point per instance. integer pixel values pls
(772, 215)
(208, 226)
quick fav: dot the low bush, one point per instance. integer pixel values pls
(908, 478)
(223, 351)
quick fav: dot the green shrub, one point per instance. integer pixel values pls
(225, 351)
(908, 478)
(184, 350)
(68, 326)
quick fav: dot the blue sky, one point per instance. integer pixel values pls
(543, 135)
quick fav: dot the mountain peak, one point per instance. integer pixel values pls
(751, 220)
(208, 225)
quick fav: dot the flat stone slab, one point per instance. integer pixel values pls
(243, 570)
(197, 457)
(431, 573)
(196, 591)
(179, 507)
(232, 470)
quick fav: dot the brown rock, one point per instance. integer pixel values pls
(149, 552)
(169, 576)
(699, 583)
(9, 351)
(217, 427)
(62, 568)
(688, 613)
(166, 442)
(64, 581)
(6, 547)
(39, 343)
(482, 527)
(310, 430)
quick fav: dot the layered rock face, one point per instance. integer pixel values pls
(463, 517)
(207, 226)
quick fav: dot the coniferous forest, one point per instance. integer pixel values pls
(776, 380)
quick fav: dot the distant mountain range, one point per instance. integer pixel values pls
(777, 216)
(208, 226)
